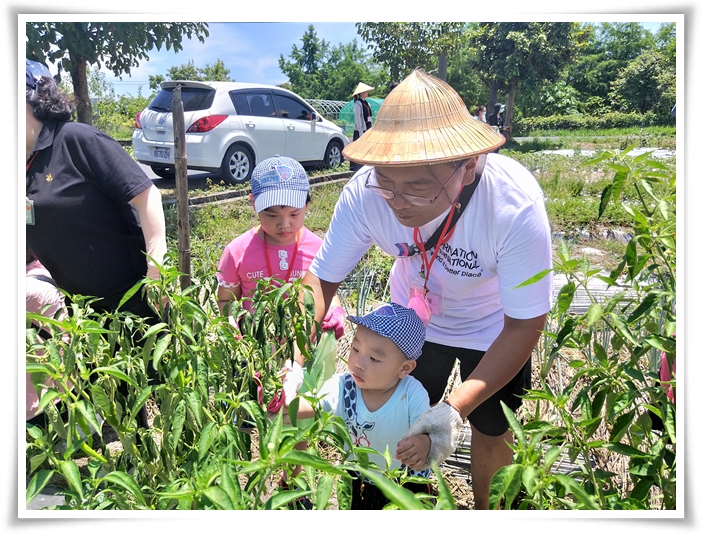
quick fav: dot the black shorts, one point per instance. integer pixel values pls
(433, 369)
(368, 497)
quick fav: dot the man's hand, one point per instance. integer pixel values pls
(335, 320)
(413, 451)
(442, 423)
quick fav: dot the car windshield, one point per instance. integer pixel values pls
(194, 99)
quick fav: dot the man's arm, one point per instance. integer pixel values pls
(323, 292)
(504, 358)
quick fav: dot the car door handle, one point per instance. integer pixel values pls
(251, 124)
(290, 127)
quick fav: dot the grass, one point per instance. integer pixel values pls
(571, 187)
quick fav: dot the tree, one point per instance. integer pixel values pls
(317, 70)
(645, 84)
(73, 46)
(666, 42)
(521, 54)
(404, 46)
(611, 46)
(302, 67)
(188, 71)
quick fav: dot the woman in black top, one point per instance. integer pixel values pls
(93, 215)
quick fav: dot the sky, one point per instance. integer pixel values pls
(250, 50)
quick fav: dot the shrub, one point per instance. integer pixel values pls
(609, 120)
(614, 407)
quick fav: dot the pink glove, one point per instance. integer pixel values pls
(335, 320)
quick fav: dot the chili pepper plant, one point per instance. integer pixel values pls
(614, 406)
(213, 443)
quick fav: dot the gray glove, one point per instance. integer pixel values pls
(443, 424)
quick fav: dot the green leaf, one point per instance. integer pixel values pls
(622, 327)
(642, 489)
(207, 437)
(100, 399)
(305, 459)
(48, 397)
(69, 470)
(115, 372)
(624, 449)
(513, 423)
(127, 482)
(37, 484)
(141, 400)
(56, 421)
(195, 405)
(565, 297)
(230, 484)
(219, 498)
(577, 491)
(594, 314)
(177, 424)
(505, 484)
(403, 498)
(88, 412)
(606, 194)
(530, 281)
(529, 478)
(621, 425)
(550, 457)
(647, 304)
(161, 346)
(324, 488)
(445, 500)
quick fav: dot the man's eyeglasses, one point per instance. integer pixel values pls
(412, 199)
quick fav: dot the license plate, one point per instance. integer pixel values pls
(161, 153)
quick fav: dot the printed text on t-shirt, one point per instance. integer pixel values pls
(459, 262)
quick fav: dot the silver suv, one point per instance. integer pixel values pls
(230, 126)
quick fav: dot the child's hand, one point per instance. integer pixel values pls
(413, 451)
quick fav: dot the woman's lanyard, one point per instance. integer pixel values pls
(445, 236)
(31, 160)
(291, 263)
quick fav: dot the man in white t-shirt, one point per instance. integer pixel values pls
(420, 158)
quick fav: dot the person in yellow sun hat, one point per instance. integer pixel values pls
(362, 113)
(467, 227)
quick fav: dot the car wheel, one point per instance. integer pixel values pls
(167, 173)
(334, 155)
(237, 164)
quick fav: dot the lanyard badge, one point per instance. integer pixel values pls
(419, 303)
(30, 212)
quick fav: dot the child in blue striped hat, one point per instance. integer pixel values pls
(377, 398)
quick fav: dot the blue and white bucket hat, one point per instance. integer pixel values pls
(279, 180)
(399, 324)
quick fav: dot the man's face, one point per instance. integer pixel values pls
(428, 181)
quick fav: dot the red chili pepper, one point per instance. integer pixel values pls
(277, 402)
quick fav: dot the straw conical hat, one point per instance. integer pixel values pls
(423, 120)
(361, 88)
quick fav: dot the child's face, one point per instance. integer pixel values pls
(375, 362)
(282, 223)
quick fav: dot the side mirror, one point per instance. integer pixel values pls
(315, 118)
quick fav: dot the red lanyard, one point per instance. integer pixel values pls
(291, 263)
(445, 237)
(31, 161)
